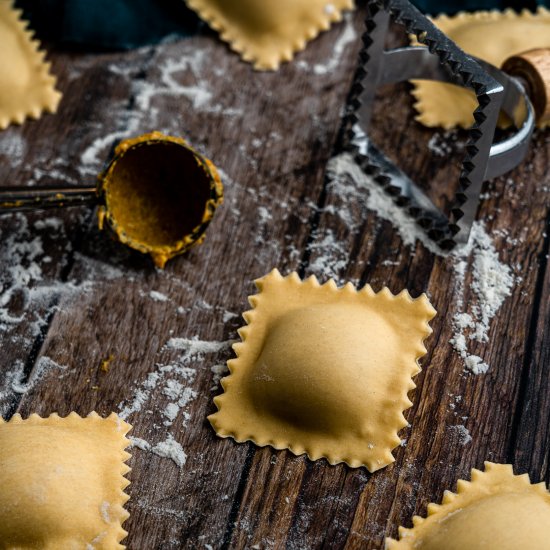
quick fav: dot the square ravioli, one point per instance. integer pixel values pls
(267, 32)
(324, 371)
(26, 86)
(497, 510)
(489, 35)
(62, 482)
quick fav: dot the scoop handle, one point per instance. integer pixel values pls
(532, 68)
(17, 199)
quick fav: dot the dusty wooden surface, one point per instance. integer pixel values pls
(271, 135)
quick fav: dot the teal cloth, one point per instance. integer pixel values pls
(124, 24)
(433, 7)
(109, 24)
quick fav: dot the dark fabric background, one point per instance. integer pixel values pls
(108, 24)
(452, 6)
(124, 24)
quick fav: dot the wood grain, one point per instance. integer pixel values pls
(271, 134)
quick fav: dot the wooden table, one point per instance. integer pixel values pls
(271, 134)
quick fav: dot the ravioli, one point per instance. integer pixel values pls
(324, 370)
(497, 510)
(61, 482)
(26, 86)
(490, 35)
(267, 32)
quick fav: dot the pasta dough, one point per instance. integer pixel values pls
(491, 36)
(324, 371)
(267, 32)
(495, 511)
(26, 86)
(61, 482)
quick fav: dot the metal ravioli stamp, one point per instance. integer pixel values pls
(518, 42)
(442, 60)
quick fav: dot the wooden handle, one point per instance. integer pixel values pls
(533, 68)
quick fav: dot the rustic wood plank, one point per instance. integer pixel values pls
(271, 134)
(272, 165)
(435, 455)
(31, 156)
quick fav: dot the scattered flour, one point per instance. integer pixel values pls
(173, 408)
(173, 389)
(183, 62)
(219, 371)
(95, 154)
(348, 36)
(139, 443)
(30, 293)
(13, 147)
(41, 368)
(169, 448)
(49, 223)
(256, 143)
(478, 263)
(462, 433)
(158, 296)
(198, 94)
(175, 382)
(171, 411)
(51, 169)
(141, 396)
(228, 315)
(353, 187)
(491, 283)
(264, 215)
(173, 513)
(353, 195)
(25, 293)
(194, 347)
(333, 256)
(14, 379)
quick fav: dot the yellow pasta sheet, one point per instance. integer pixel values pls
(268, 32)
(490, 35)
(324, 370)
(497, 510)
(61, 482)
(27, 88)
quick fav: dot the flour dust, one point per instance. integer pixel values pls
(490, 280)
(168, 392)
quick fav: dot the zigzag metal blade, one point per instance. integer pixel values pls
(448, 63)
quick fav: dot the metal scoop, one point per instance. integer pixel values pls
(157, 195)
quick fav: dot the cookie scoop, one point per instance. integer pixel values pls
(157, 196)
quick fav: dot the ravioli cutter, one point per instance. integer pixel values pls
(444, 61)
